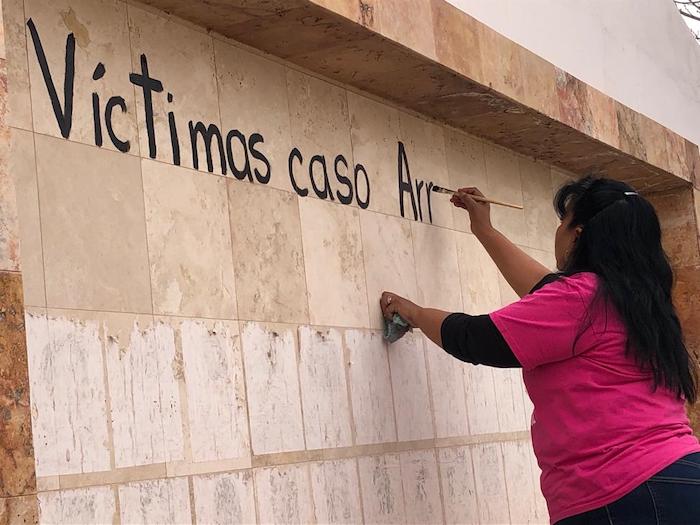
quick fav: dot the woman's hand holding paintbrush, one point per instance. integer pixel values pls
(472, 200)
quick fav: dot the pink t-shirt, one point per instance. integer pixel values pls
(598, 431)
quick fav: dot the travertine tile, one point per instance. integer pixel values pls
(69, 411)
(466, 167)
(425, 153)
(284, 494)
(458, 487)
(603, 117)
(389, 261)
(334, 266)
(101, 37)
(630, 131)
(374, 129)
(545, 258)
(482, 407)
(421, 486)
(336, 491)
(88, 505)
(521, 493)
(155, 501)
(182, 59)
(478, 276)
(370, 387)
(457, 40)
(92, 222)
(19, 110)
(437, 269)
(274, 405)
(542, 513)
(9, 221)
(539, 84)
(19, 510)
(22, 166)
(324, 392)
(490, 483)
(540, 217)
(247, 83)
(501, 62)
(447, 386)
(409, 22)
(409, 380)
(574, 108)
(382, 490)
(267, 254)
(189, 242)
(559, 179)
(227, 498)
(216, 399)
(509, 399)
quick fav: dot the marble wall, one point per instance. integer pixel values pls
(203, 331)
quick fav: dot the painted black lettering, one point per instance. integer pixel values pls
(419, 186)
(364, 204)
(296, 154)
(121, 145)
(208, 133)
(253, 140)
(430, 206)
(325, 192)
(405, 186)
(148, 86)
(96, 119)
(174, 141)
(240, 174)
(344, 199)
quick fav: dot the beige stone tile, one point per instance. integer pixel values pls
(320, 126)
(559, 178)
(482, 406)
(19, 110)
(226, 498)
(253, 100)
(409, 380)
(67, 385)
(542, 514)
(88, 505)
(19, 509)
(504, 184)
(546, 258)
(388, 259)
(509, 399)
(457, 40)
(382, 490)
(335, 275)
(182, 59)
(9, 221)
(22, 165)
(101, 36)
(518, 474)
(425, 153)
(370, 387)
(490, 483)
(409, 22)
(92, 222)
(466, 167)
(458, 486)
(501, 61)
(437, 269)
(447, 388)
(478, 276)
(189, 242)
(540, 218)
(267, 254)
(336, 491)
(155, 501)
(274, 404)
(374, 128)
(284, 494)
(421, 486)
(324, 391)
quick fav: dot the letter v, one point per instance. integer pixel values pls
(64, 116)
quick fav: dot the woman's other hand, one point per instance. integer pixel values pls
(479, 212)
(392, 303)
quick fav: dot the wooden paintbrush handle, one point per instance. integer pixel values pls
(492, 201)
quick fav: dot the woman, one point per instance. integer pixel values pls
(602, 354)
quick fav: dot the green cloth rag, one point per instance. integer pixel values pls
(396, 328)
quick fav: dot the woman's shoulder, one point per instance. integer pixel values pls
(584, 283)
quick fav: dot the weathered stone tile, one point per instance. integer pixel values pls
(630, 132)
(692, 158)
(223, 499)
(457, 44)
(274, 405)
(101, 36)
(447, 386)
(370, 387)
(466, 168)
(182, 60)
(267, 254)
(374, 129)
(19, 106)
(480, 391)
(333, 261)
(9, 221)
(501, 63)
(16, 455)
(19, 510)
(574, 109)
(518, 475)
(88, 505)
(509, 399)
(408, 22)
(336, 491)
(189, 242)
(388, 258)
(382, 490)
(458, 487)
(421, 486)
(324, 392)
(539, 84)
(655, 144)
(540, 218)
(410, 388)
(437, 269)
(677, 154)
(490, 483)
(544, 257)
(559, 179)
(92, 222)
(248, 83)
(284, 494)
(155, 501)
(478, 276)
(675, 210)
(604, 125)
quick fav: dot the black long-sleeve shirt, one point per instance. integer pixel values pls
(475, 338)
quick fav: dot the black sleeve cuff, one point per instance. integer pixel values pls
(475, 339)
(549, 278)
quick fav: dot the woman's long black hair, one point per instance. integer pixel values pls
(620, 241)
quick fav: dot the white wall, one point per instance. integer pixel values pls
(639, 52)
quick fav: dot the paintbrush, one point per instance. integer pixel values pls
(440, 189)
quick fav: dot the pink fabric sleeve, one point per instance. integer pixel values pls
(542, 326)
